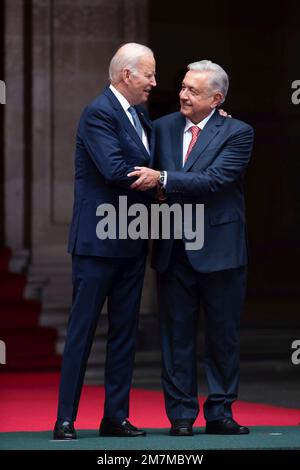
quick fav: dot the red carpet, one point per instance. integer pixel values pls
(28, 345)
(28, 403)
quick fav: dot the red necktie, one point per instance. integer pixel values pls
(195, 132)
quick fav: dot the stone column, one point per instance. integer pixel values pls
(73, 43)
(14, 126)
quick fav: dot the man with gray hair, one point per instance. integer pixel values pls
(114, 135)
(202, 157)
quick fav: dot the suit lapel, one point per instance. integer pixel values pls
(125, 121)
(148, 127)
(205, 137)
(177, 141)
(146, 123)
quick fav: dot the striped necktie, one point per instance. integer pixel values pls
(195, 130)
(136, 120)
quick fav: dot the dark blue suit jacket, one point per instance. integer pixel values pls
(107, 149)
(212, 175)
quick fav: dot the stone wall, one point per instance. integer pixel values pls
(71, 46)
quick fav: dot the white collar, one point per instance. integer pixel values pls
(200, 124)
(121, 98)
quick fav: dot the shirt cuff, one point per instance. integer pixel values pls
(165, 179)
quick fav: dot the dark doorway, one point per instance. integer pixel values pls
(258, 46)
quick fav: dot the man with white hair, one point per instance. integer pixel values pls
(202, 157)
(114, 135)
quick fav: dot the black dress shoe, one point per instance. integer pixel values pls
(182, 427)
(123, 428)
(225, 426)
(64, 430)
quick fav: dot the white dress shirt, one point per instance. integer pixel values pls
(125, 105)
(187, 135)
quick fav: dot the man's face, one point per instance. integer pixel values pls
(197, 100)
(141, 81)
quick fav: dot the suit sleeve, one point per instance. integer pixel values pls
(226, 168)
(100, 137)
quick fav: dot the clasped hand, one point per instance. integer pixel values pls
(147, 178)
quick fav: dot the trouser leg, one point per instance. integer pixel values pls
(123, 313)
(223, 296)
(92, 278)
(179, 309)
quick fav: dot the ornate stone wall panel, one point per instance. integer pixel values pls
(13, 125)
(73, 42)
